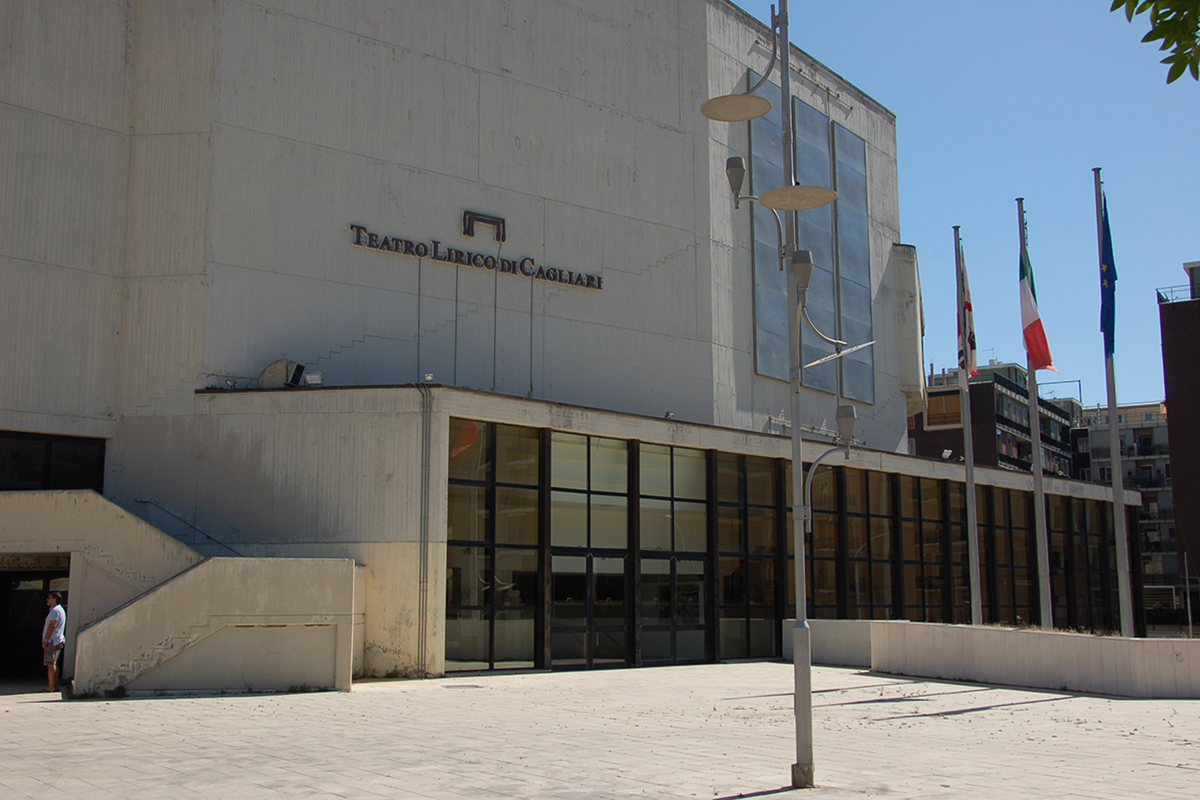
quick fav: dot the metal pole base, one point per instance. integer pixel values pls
(802, 776)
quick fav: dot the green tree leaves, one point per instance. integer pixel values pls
(1177, 24)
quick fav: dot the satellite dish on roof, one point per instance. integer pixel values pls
(280, 374)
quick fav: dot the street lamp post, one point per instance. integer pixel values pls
(790, 198)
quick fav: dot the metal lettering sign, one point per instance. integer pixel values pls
(435, 251)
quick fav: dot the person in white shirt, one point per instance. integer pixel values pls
(53, 639)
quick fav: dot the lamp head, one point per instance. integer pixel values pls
(735, 107)
(801, 267)
(846, 418)
(735, 170)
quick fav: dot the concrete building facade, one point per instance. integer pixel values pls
(1000, 418)
(1179, 319)
(518, 202)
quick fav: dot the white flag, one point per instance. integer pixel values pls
(966, 320)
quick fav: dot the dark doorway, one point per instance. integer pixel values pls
(23, 612)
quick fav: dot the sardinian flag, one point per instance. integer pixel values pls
(1036, 345)
(966, 320)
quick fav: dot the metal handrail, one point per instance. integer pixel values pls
(168, 511)
(1175, 294)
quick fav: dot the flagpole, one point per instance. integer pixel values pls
(964, 376)
(1039, 492)
(1120, 530)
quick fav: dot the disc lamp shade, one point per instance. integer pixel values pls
(797, 198)
(735, 107)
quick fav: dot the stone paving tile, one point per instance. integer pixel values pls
(711, 731)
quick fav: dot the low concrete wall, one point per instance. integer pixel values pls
(115, 556)
(229, 623)
(835, 642)
(1146, 668)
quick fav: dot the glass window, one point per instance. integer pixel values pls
(824, 534)
(467, 639)
(656, 524)
(691, 471)
(655, 599)
(516, 455)
(815, 141)
(568, 461)
(881, 538)
(610, 465)
(729, 479)
(691, 526)
(516, 516)
(760, 481)
(610, 522)
(909, 499)
(469, 449)
(761, 531)
(610, 590)
(729, 530)
(466, 575)
(568, 519)
(931, 499)
(516, 577)
(655, 470)
(570, 591)
(856, 494)
(466, 513)
(732, 584)
(856, 537)
(824, 489)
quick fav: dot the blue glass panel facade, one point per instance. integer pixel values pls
(839, 295)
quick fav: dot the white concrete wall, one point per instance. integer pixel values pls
(837, 642)
(64, 116)
(115, 556)
(1158, 668)
(313, 474)
(182, 185)
(229, 623)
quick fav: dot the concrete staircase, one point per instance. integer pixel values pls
(273, 623)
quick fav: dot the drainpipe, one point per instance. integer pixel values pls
(423, 552)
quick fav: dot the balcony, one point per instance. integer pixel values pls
(1008, 422)
(1161, 515)
(1135, 482)
(1023, 464)
(1152, 451)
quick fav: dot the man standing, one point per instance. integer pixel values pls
(53, 639)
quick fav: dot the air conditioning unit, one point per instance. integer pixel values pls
(280, 374)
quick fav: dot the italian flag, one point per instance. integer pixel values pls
(1036, 345)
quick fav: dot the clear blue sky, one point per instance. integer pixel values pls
(999, 100)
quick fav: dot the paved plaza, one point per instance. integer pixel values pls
(713, 731)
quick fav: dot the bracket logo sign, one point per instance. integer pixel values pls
(434, 251)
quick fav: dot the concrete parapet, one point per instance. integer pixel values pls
(1144, 668)
(835, 642)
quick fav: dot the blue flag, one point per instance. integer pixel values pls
(1108, 289)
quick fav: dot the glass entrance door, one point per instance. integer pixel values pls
(588, 627)
(671, 600)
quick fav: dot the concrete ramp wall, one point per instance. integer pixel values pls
(235, 624)
(1147, 668)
